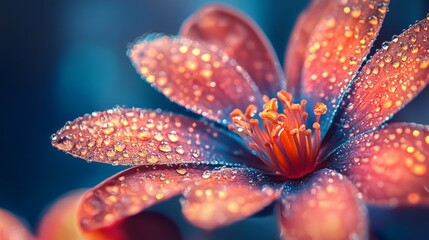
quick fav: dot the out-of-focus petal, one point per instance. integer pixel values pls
(393, 77)
(324, 206)
(389, 165)
(145, 137)
(60, 222)
(242, 39)
(297, 46)
(336, 49)
(133, 190)
(227, 195)
(12, 228)
(198, 76)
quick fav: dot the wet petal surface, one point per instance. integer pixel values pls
(133, 190)
(337, 47)
(390, 166)
(198, 76)
(227, 195)
(145, 137)
(393, 77)
(323, 206)
(241, 39)
(297, 45)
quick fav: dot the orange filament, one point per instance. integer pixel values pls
(283, 142)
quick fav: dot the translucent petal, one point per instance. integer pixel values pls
(393, 77)
(133, 190)
(297, 46)
(198, 76)
(241, 39)
(12, 228)
(323, 206)
(61, 222)
(144, 137)
(390, 166)
(336, 49)
(227, 195)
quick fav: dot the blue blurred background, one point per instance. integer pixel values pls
(61, 59)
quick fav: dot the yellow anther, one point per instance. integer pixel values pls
(316, 125)
(320, 109)
(284, 96)
(269, 115)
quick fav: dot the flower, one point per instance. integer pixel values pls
(60, 222)
(234, 160)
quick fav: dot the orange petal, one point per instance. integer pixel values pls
(60, 222)
(240, 38)
(336, 49)
(198, 76)
(297, 46)
(324, 206)
(144, 137)
(225, 196)
(12, 228)
(389, 165)
(133, 190)
(393, 77)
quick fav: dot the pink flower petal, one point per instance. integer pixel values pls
(240, 38)
(61, 222)
(142, 137)
(325, 206)
(337, 47)
(226, 196)
(198, 76)
(12, 228)
(297, 46)
(390, 165)
(133, 190)
(393, 77)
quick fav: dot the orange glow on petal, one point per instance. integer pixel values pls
(242, 39)
(326, 206)
(132, 191)
(61, 222)
(337, 47)
(297, 46)
(393, 77)
(390, 166)
(225, 196)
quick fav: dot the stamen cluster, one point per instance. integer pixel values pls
(281, 139)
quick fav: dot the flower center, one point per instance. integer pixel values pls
(282, 141)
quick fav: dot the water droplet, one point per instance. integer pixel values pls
(158, 137)
(206, 174)
(64, 144)
(152, 159)
(180, 150)
(173, 136)
(164, 146)
(110, 152)
(143, 134)
(119, 146)
(150, 123)
(373, 20)
(181, 171)
(108, 130)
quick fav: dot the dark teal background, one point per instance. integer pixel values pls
(61, 59)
